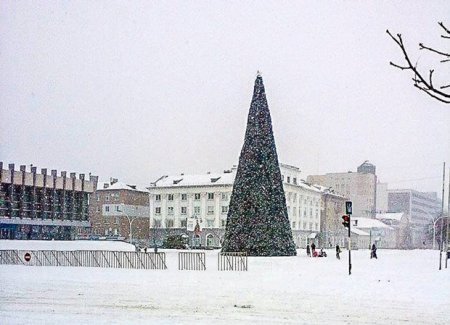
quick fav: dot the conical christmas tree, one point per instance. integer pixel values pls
(257, 221)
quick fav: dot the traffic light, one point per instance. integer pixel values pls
(346, 222)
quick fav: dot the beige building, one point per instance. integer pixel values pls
(180, 200)
(116, 208)
(359, 187)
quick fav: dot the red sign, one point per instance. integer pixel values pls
(27, 257)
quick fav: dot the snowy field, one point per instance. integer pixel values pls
(399, 287)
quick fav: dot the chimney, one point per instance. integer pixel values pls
(73, 175)
(23, 168)
(63, 174)
(11, 167)
(113, 180)
(44, 171)
(54, 173)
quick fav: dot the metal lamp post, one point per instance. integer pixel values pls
(130, 222)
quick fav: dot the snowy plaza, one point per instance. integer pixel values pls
(398, 287)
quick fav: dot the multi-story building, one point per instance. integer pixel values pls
(41, 206)
(177, 200)
(332, 210)
(421, 208)
(118, 208)
(359, 187)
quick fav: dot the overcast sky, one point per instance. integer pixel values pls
(136, 90)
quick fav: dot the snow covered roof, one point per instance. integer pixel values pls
(107, 186)
(369, 223)
(226, 178)
(390, 216)
(359, 232)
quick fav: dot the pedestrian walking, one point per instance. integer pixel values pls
(308, 250)
(373, 252)
(313, 250)
(338, 251)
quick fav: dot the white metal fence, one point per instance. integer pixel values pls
(113, 259)
(232, 261)
(195, 261)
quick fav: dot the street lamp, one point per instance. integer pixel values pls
(130, 222)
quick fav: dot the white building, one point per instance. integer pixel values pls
(205, 198)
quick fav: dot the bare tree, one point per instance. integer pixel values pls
(421, 81)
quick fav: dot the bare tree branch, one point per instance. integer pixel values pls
(423, 47)
(446, 86)
(445, 28)
(419, 80)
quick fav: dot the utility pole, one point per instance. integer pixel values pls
(447, 251)
(442, 220)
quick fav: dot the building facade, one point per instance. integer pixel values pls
(120, 211)
(359, 187)
(179, 200)
(43, 206)
(332, 210)
(420, 208)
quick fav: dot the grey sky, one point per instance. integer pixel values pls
(141, 89)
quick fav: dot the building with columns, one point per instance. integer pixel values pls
(43, 206)
(178, 201)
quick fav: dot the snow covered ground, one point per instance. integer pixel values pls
(399, 287)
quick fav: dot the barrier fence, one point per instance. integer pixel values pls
(113, 259)
(232, 261)
(191, 261)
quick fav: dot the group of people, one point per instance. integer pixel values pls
(311, 251)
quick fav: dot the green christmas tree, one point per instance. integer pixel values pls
(257, 221)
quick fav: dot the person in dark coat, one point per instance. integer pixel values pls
(308, 251)
(338, 251)
(373, 252)
(313, 249)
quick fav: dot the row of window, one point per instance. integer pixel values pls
(311, 225)
(197, 196)
(197, 210)
(170, 223)
(288, 179)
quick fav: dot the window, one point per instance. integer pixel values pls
(158, 197)
(224, 209)
(210, 223)
(169, 210)
(294, 181)
(197, 196)
(210, 196)
(107, 198)
(107, 208)
(293, 224)
(224, 196)
(196, 210)
(183, 223)
(183, 197)
(223, 223)
(98, 209)
(170, 197)
(158, 210)
(157, 223)
(183, 210)
(310, 226)
(117, 208)
(289, 179)
(210, 210)
(117, 221)
(169, 223)
(304, 225)
(115, 232)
